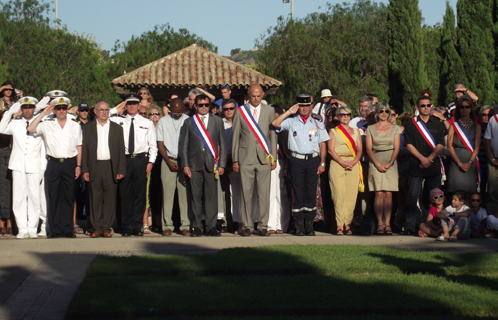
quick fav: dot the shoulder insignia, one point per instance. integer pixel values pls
(74, 119)
(49, 119)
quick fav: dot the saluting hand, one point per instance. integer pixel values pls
(48, 110)
(294, 109)
(121, 107)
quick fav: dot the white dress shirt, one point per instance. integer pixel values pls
(168, 131)
(61, 142)
(103, 152)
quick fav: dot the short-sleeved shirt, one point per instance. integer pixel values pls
(61, 142)
(415, 138)
(475, 219)
(492, 134)
(304, 138)
(450, 209)
(168, 131)
(144, 134)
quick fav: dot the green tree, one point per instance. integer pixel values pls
(407, 70)
(432, 57)
(452, 71)
(343, 49)
(477, 46)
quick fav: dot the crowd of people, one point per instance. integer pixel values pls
(205, 166)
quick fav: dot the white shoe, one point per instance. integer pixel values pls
(33, 235)
(22, 235)
(43, 233)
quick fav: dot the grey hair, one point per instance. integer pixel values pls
(339, 109)
(100, 101)
(364, 99)
(194, 91)
(484, 108)
(379, 106)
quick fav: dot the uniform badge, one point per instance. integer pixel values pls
(294, 134)
(121, 123)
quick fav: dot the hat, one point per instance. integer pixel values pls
(326, 93)
(83, 106)
(63, 101)
(132, 98)
(303, 99)
(435, 192)
(56, 94)
(28, 101)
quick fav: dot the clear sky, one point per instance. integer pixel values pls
(228, 24)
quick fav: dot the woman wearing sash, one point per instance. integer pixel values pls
(345, 172)
(464, 140)
(382, 147)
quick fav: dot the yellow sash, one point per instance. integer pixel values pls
(344, 134)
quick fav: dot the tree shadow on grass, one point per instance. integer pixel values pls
(264, 283)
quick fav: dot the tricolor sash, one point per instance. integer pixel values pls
(352, 147)
(206, 139)
(496, 118)
(256, 130)
(469, 144)
(420, 125)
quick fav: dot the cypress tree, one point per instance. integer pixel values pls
(477, 47)
(407, 72)
(452, 71)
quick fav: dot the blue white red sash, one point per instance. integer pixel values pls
(469, 144)
(420, 125)
(206, 139)
(256, 130)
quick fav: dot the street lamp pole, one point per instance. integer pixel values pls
(56, 14)
(292, 7)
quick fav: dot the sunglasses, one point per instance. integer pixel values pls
(200, 105)
(225, 86)
(464, 107)
(144, 93)
(344, 114)
(154, 114)
(475, 200)
(8, 89)
(383, 111)
(60, 108)
(485, 115)
(424, 106)
(231, 109)
(441, 196)
(142, 113)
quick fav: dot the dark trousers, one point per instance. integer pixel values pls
(103, 194)
(414, 190)
(133, 192)
(304, 183)
(203, 183)
(59, 181)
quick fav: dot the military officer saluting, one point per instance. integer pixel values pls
(141, 151)
(307, 145)
(63, 140)
(28, 150)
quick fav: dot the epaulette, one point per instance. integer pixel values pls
(116, 115)
(74, 119)
(49, 119)
(16, 118)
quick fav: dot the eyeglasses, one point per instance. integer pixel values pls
(227, 109)
(141, 93)
(154, 114)
(466, 107)
(344, 114)
(103, 110)
(60, 108)
(142, 113)
(383, 111)
(200, 105)
(425, 106)
(475, 200)
(485, 115)
(441, 196)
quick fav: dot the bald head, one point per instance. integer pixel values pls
(255, 94)
(176, 106)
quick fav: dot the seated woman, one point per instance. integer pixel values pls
(478, 218)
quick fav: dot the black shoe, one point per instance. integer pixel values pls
(308, 224)
(127, 233)
(138, 233)
(300, 228)
(264, 233)
(69, 235)
(197, 232)
(53, 236)
(407, 232)
(245, 233)
(214, 233)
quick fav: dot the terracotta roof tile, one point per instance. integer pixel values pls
(193, 66)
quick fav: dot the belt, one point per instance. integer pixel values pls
(136, 155)
(172, 158)
(50, 158)
(305, 156)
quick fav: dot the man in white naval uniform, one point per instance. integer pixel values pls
(28, 150)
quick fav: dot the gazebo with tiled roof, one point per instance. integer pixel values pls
(191, 67)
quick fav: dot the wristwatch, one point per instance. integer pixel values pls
(322, 164)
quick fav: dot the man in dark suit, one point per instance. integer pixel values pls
(103, 165)
(199, 163)
(252, 161)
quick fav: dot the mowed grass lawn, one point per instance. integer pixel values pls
(291, 282)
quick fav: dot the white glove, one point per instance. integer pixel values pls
(42, 104)
(15, 107)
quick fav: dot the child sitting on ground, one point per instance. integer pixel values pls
(454, 219)
(478, 218)
(432, 227)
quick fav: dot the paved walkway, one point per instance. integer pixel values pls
(38, 278)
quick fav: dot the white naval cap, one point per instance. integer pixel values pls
(56, 94)
(28, 101)
(61, 101)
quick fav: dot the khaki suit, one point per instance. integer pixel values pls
(252, 162)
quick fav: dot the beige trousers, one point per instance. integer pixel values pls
(344, 188)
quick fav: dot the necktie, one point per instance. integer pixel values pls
(203, 122)
(131, 138)
(255, 115)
